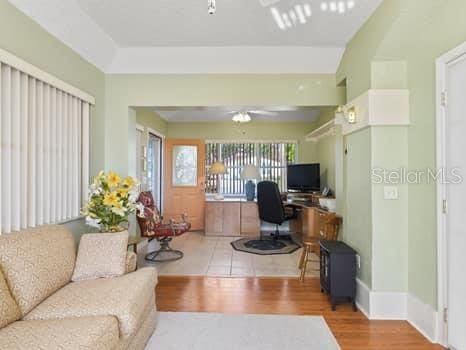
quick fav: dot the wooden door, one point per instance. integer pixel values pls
(184, 180)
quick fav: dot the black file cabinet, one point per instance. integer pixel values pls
(338, 272)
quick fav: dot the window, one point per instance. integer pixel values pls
(271, 158)
(154, 167)
(44, 150)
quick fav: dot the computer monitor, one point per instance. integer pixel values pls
(303, 177)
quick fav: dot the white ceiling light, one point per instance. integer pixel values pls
(211, 7)
(241, 117)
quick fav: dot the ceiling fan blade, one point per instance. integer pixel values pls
(282, 109)
(264, 112)
(174, 108)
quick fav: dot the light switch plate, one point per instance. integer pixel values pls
(390, 192)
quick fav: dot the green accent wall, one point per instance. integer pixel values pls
(26, 39)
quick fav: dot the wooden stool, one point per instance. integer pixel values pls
(329, 225)
(309, 247)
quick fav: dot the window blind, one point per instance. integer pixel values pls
(271, 158)
(44, 151)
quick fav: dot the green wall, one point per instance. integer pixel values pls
(292, 131)
(325, 151)
(357, 225)
(126, 91)
(397, 47)
(250, 131)
(389, 217)
(147, 117)
(26, 39)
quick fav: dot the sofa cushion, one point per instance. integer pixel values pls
(9, 310)
(93, 333)
(124, 297)
(101, 255)
(36, 263)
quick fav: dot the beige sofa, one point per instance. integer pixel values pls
(40, 308)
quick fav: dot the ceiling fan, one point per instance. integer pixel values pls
(244, 116)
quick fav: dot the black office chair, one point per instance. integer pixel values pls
(271, 207)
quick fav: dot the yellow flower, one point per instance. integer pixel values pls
(113, 179)
(129, 182)
(123, 192)
(111, 199)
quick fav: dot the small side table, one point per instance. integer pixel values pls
(133, 242)
(338, 272)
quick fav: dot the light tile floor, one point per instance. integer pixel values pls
(214, 256)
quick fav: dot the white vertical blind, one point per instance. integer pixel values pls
(44, 141)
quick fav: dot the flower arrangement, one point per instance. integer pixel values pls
(111, 201)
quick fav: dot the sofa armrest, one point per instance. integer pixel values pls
(131, 262)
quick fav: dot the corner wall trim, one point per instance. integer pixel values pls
(398, 306)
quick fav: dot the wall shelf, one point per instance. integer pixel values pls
(328, 129)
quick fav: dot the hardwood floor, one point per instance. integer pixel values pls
(286, 296)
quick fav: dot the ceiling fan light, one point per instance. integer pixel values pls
(211, 7)
(241, 118)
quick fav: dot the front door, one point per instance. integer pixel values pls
(184, 180)
(455, 142)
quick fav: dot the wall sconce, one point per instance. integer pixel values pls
(340, 115)
(351, 115)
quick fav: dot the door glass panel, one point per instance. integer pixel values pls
(184, 165)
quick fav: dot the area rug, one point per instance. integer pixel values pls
(266, 245)
(208, 331)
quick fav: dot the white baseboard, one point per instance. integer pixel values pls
(363, 298)
(423, 317)
(398, 306)
(388, 306)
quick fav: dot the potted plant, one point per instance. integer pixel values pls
(111, 201)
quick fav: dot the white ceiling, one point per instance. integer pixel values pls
(147, 23)
(178, 36)
(208, 114)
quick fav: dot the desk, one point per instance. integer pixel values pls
(308, 221)
(238, 217)
(231, 217)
